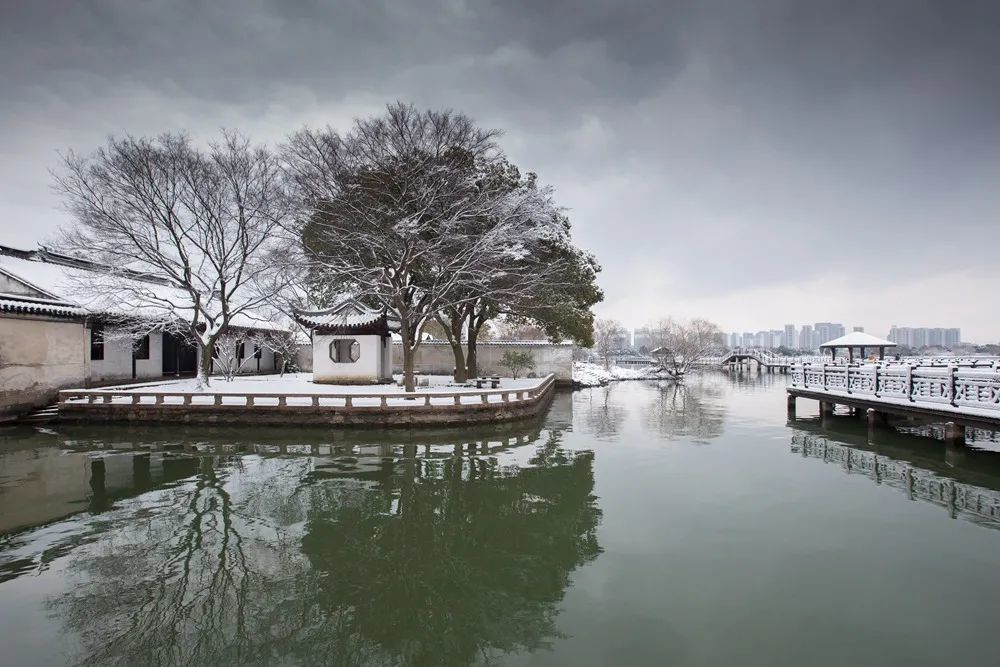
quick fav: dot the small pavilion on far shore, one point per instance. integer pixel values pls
(858, 340)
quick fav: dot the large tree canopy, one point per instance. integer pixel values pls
(408, 211)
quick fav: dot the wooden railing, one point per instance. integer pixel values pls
(930, 385)
(413, 400)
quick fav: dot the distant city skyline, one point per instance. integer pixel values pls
(811, 336)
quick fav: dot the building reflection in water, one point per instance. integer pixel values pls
(405, 553)
(964, 481)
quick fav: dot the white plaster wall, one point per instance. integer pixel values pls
(387, 359)
(117, 362)
(365, 370)
(304, 357)
(37, 358)
(436, 358)
(249, 366)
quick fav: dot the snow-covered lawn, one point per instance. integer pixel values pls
(593, 375)
(270, 386)
(302, 383)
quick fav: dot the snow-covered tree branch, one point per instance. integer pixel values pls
(680, 345)
(188, 239)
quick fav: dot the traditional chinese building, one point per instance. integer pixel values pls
(352, 343)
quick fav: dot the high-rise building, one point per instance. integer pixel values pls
(642, 338)
(790, 340)
(918, 337)
(859, 329)
(824, 332)
(734, 339)
(806, 338)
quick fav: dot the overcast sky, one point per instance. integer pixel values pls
(757, 163)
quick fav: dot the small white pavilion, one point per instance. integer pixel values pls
(858, 340)
(352, 343)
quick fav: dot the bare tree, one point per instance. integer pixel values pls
(183, 239)
(607, 338)
(284, 345)
(390, 211)
(680, 345)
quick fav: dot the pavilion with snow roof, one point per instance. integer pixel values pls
(352, 343)
(858, 340)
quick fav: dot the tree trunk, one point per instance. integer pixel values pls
(453, 330)
(461, 374)
(408, 354)
(409, 348)
(204, 364)
(471, 362)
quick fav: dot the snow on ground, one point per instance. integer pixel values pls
(268, 387)
(593, 375)
(302, 383)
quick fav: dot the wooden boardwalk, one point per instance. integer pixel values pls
(957, 395)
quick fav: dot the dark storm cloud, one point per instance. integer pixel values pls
(706, 149)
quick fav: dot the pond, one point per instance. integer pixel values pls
(639, 523)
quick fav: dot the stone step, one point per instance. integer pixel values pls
(46, 414)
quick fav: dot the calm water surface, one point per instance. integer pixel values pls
(634, 525)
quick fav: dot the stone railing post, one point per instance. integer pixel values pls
(218, 399)
(384, 402)
(909, 383)
(824, 376)
(348, 401)
(847, 379)
(952, 372)
(875, 386)
(250, 400)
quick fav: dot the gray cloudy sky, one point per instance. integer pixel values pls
(756, 163)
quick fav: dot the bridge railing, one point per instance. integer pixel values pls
(954, 386)
(767, 357)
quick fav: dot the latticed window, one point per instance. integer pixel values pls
(345, 351)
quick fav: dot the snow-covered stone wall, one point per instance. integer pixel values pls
(437, 358)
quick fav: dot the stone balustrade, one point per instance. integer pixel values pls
(933, 386)
(364, 408)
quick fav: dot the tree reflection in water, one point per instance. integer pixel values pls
(691, 409)
(603, 416)
(395, 561)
